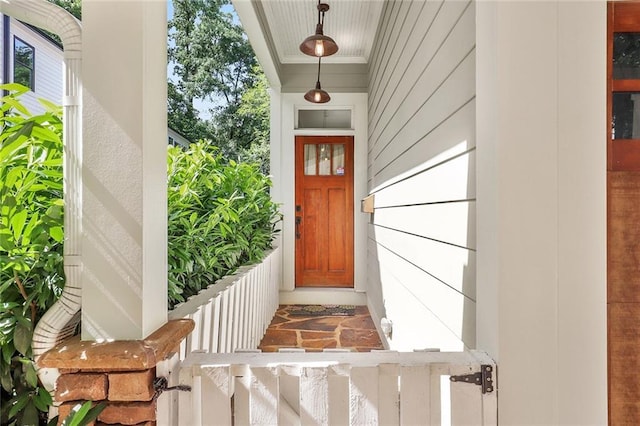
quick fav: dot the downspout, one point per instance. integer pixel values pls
(61, 320)
(6, 45)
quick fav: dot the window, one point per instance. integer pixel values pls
(623, 82)
(23, 63)
(324, 159)
(324, 119)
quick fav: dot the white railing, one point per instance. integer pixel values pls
(336, 388)
(234, 312)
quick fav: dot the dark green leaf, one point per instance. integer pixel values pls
(17, 404)
(30, 415)
(22, 338)
(93, 413)
(30, 374)
(7, 352)
(77, 415)
(5, 378)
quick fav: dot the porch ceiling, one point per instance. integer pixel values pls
(351, 23)
(277, 27)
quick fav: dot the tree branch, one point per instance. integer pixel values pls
(23, 292)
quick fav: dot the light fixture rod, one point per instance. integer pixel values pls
(319, 59)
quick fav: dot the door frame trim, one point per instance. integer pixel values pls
(283, 135)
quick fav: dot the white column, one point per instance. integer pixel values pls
(541, 99)
(125, 140)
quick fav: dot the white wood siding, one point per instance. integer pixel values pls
(421, 168)
(47, 64)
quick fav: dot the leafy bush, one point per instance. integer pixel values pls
(220, 217)
(31, 237)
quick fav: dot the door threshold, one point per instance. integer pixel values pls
(323, 296)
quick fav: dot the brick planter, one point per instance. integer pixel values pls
(121, 373)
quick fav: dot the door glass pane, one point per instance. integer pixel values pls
(324, 165)
(626, 56)
(338, 159)
(309, 159)
(626, 116)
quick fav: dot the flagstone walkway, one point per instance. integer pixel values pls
(315, 333)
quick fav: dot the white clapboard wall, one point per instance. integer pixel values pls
(421, 172)
(333, 388)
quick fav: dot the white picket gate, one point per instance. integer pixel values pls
(235, 311)
(337, 388)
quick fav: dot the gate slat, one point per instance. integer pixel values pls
(264, 396)
(255, 333)
(207, 312)
(251, 300)
(466, 400)
(224, 320)
(489, 399)
(214, 345)
(239, 314)
(415, 395)
(168, 403)
(215, 384)
(241, 401)
(289, 387)
(232, 312)
(363, 398)
(339, 394)
(314, 396)
(188, 402)
(262, 309)
(232, 318)
(388, 395)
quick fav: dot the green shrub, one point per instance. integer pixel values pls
(220, 217)
(31, 236)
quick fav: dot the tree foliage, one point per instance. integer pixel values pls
(220, 217)
(211, 54)
(31, 242)
(183, 117)
(72, 6)
(213, 61)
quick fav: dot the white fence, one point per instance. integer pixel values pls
(235, 311)
(333, 388)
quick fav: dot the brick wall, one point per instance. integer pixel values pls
(121, 373)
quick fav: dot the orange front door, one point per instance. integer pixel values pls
(324, 211)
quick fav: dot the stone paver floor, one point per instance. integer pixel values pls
(315, 333)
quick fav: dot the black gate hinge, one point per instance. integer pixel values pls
(483, 378)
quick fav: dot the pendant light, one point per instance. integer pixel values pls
(319, 44)
(317, 95)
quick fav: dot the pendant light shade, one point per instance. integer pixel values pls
(317, 95)
(319, 44)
